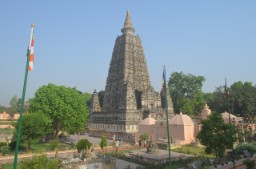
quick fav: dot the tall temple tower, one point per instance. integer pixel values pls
(129, 96)
(128, 87)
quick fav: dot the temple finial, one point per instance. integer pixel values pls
(128, 28)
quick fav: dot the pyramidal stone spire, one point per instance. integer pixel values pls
(129, 96)
(128, 28)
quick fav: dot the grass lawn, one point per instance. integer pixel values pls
(7, 166)
(43, 147)
(8, 122)
(193, 149)
(6, 131)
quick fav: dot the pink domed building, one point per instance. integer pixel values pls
(181, 126)
(182, 129)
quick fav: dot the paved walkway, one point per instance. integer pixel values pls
(160, 154)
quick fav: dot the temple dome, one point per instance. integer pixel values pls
(148, 121)
(181, 119)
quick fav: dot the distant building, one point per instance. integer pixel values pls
(4, 116)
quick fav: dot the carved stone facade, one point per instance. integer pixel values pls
(95, 103)
(129, 96)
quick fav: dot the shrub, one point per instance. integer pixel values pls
(250, 164)
(250, 147)
(39, 162)
(54, 144)
(5, 150)
(3, 144)
(103, 142)
(83, 144)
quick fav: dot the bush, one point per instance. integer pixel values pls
(83, 144)
(250, 164)
(103, 142)
(39, 162)
(5, 150)
(250, 147)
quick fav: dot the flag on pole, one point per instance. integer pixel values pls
(164, 93)
(29, 67)
(164, 82)
(31, 50)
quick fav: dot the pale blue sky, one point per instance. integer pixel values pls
(74, 41)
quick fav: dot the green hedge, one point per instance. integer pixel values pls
(250, 147)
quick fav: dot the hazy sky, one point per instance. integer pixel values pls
(74, 41)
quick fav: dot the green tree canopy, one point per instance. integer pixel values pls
(15, 105)
(87, 97)
(216, 101)
(186, 92)
(216, 135)
(34, 126)
(240, 101)
(243, 98)
(63, 105)
(2, 109)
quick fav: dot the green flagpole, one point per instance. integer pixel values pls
(22, 106)
(167, 121)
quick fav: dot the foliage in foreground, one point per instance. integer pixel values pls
(39, 162)
(250, 164)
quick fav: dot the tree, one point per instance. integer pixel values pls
(216, 135)
(15, 105)
(39, 162)
(83, 144)
(144, 136)
(186, 92)
(243, 99)
(87, 97)
(2, 109)
(34, 127)
(103, 143)
(63, 105)
(215, 100)
(240, 101)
